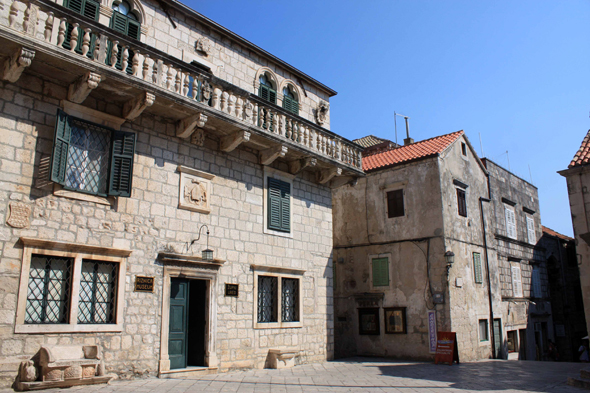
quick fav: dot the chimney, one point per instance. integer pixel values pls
(408, 140)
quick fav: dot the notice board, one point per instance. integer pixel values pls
(446, 348)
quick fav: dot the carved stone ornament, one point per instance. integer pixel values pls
(19, 215)
(203, 45)
(321, 113)
(198, 137)
(195, 190)
(206, 91)
(14, 66)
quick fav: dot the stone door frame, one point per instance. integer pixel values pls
(190, 273)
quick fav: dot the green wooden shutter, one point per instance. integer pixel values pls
(272, 96)
(380, 272)
(90, 9)
(121, 173)
(75, 5)
(291, 105)
(477, 268)
(133, 29)
(61, 146)
(279, 205)
(263, 92)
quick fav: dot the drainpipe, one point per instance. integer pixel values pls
(485, 246)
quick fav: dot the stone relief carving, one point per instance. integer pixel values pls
(206, 91)
(19, 215)
(198, 137)
(203, 45)
(321, 112)
(195, 190)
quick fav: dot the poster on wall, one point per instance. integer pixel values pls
(446, 348)
(395, 320)
(432, 331)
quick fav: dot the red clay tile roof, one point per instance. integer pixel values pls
(582, 156)
(421, 149)
(551, 232)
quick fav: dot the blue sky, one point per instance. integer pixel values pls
(514, 72)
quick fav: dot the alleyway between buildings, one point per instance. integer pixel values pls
(365, 375)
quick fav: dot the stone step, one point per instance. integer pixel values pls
(585, 374)
(188, 372)
(579, 382)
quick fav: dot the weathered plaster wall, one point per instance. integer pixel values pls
(578, 184)
(148, 222)
(464, 236)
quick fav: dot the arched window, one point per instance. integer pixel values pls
(125, 21)
(266, 90)
(290, 102)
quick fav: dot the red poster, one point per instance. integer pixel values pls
(446, 348)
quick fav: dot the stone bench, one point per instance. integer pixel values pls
(63, 366)
(282, 357)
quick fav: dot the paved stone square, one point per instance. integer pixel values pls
(366, 375)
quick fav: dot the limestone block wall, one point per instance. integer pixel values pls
(148, 222)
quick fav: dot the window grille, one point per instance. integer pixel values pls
(88, 159)
(290, 303)
(97, 292)
(267, 294)
(48, 298)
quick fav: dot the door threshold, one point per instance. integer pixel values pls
(191, 371)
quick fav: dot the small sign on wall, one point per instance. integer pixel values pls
(144, 284)
(232, 290)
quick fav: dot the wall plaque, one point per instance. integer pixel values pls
(144, 284)
(195, 190)
(232, 290)
(19, 215)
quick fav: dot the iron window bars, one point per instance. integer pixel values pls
(268, 299)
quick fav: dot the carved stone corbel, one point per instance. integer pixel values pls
(15, 65)
(80, 89)
(230, 142)
(268, 156)
(297, 166)
(344, 180)
(327, 174)
(134, 107)
(187, 126)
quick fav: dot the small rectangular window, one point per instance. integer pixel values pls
(510, 222)
(530, 225)
(477, 271)
(369, 321)
(380, 271)
(290, 300)
(483, 330)
(463, 149)
(536, 283)
(516, 281)
(395, 203)
(98, 290)
(48, 298)
(267, 299)
(461, 202)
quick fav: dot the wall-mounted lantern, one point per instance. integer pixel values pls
(207, 253)
(449, 258)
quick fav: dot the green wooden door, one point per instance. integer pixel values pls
(178, 327)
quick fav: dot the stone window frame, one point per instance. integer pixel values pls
(463, 187)
(78, 252)
(279, 273)
(295, 89)
(510, 207)
(288, 178)
(389, 271)
(485, 341)
(400, 185)
(531, 232)
(481, 268)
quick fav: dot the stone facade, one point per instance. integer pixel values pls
(526, 321)
(150, 234)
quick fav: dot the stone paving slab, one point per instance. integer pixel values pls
(365, 375)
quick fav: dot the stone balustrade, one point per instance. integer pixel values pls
(75, 35)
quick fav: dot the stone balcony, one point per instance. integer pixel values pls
(146, 79)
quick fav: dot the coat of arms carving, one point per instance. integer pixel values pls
(19, 215)
(321, 113)
(195, 189)
(203, 45)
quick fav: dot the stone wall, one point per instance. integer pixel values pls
(148, 222)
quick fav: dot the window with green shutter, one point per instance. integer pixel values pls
(279, 205)
(91, 158)
(266, 90)
(290, 102)
(380, 272)
(477, 272)
(124, 21)
(88, 8)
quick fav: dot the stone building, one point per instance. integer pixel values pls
(165, 191)
(524, 325)
(567, 305)
(394, 287)
(578, 182)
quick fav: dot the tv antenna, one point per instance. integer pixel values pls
(409, 140)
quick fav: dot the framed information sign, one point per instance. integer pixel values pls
(144, 284)
(232, 290)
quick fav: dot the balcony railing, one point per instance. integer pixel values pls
(106, 48)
